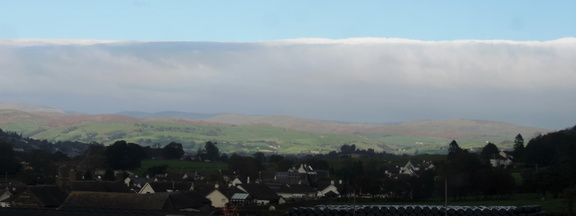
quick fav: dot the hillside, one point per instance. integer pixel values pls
(28, 107)
(289, 122)
(242, 133)
(167, 114)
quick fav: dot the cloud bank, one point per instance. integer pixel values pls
(374, 80)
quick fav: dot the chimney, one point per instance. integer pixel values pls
(248, 180)
(216, 186)
(332, 182)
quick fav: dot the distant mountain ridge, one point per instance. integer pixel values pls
(167, 114)
(28, 107)
(449, 129)
(426, 135)
(289, 122)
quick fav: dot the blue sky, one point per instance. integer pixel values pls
(215, 20)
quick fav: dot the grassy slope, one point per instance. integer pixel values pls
(230, 138)
(247, 138)
(409, 138)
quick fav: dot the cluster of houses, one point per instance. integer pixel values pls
(191, 193)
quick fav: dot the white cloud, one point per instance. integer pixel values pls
(358, 79)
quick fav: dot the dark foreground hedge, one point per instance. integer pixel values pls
(405, 210)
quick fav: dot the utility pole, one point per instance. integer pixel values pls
(354, 202)
(446, 196)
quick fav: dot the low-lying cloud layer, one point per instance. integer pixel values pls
(360, 79)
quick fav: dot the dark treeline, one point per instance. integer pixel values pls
(552, 159)
(547, 164)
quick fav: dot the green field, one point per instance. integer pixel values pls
(231, 138)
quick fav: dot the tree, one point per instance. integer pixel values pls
(348, 149)
(246, 166)
(489, 152)
(161, 169)
(453, 149)
(275, 158)
(94, 148)
(173, 150)
(124, 156)
(212, 152)
(224, 157)
(459, 169)
(284, 164)
(87, 175)
(8, 161)
(259, 156)
(109, 175)
(518, 151)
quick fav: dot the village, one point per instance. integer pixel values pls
(109, 180)
(191, 193)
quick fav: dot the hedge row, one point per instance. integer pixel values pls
(407, 210)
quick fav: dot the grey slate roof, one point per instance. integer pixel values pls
(100, 186)
(94, 212)
(260, 192)
(83, 199)
(48, 196)
(173, 186)
(296, 189)
(155, 201)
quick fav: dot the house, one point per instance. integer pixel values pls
(135, 181)
(296, 191)
(409, 169)
(413, 170)
(501, 159)
(214, 194)
(156, 187)
(167, 177)
(96, 212)
(329, 190)
(262, 194)
(291, 178)
(191, 200)
(305, 169)
(238, 180)
(39, 197)
(99, 173)
(100, 186)
(235, 181)
(5, 198)
(8, 192)
(242, 199)
(311, 175)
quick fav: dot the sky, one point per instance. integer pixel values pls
(352, 61)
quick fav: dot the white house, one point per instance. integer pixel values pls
(502, 159)
(324, 190)
(146, 189)
(218, 198)
(296, 191)
(5, 196)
